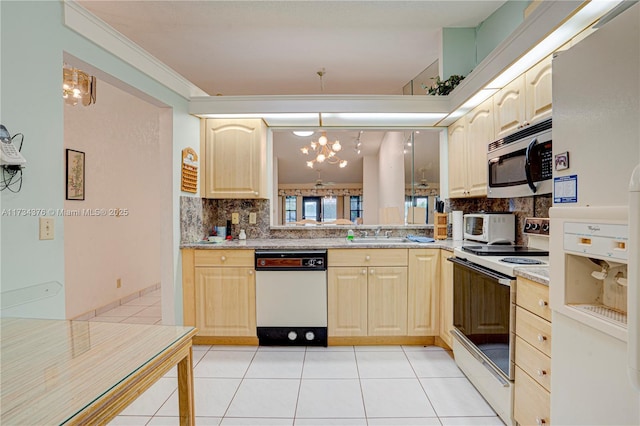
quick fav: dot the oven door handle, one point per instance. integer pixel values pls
(527, 164)
(494, 275)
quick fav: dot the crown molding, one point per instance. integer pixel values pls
(99, 32)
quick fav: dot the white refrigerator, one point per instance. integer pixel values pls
(596, 132)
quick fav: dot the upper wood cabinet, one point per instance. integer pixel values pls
(234, 153)
(524, 101)
(468, 140)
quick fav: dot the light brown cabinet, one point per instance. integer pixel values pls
(532, 353)
(367, 292)
(446, 297)
(423, 309)
(468, 140)
(219, 294)
(234, 158)
(526, 100)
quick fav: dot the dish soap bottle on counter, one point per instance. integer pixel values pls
(350, 234)
(242, 235)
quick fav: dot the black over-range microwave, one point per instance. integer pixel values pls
(521, 164)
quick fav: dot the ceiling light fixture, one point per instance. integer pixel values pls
(303, 133)
(78, 86)
(324, 152)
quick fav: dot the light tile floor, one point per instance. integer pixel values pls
(339, 385)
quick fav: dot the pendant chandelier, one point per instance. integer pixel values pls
(324, 151)
(78, 86)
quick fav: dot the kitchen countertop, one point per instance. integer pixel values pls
(539, 275)
(317, 243)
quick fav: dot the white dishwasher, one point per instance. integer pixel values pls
(291, 297)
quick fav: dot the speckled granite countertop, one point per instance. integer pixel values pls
(317, 243)
(539, 275)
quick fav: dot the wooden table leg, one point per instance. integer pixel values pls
(185, 390)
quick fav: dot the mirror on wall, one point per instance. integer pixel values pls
(370, 177)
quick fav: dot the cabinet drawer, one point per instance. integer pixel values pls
(534, 363)
(531, 401)
(534, 297)
(224, 258)
(368, 257)
(534, 330)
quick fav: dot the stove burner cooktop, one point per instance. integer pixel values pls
(521, 261)
(504, 251)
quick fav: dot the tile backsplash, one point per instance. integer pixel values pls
(198, 216)
(522, 207)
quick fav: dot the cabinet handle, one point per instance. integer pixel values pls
(372, 272)
(542, 373)
(367, 258)
(364, 272)
(255, 193)
(223, 258)
(540, 421)
(542, 303)
(526, 123)
(541, 338)
(250, 272)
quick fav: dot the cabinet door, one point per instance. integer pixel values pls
(538, 91)
(509, 108)
(387, 301)
(423, 289)
(457, 159)
(235, 159)
(225, 301)
(347, 301)
(479, 134)
(446, 297)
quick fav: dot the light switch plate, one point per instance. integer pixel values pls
(253, 218)
(46, 228)
(235, 218)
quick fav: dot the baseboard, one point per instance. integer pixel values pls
(122, 301)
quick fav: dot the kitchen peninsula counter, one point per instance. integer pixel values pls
(316, 243)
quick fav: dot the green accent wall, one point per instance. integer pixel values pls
(33, 39)
(464, 48)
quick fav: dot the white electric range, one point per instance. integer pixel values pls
(484, 289)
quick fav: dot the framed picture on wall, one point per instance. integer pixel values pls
(75, 175)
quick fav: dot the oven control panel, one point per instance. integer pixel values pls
(536, 226)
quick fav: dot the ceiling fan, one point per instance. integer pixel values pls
(320, 184)
(422, 184)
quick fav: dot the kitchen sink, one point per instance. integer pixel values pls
(380, 240)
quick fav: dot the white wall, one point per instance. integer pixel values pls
(370, 190)
(391, 173)
(120, 136)
(34, 40)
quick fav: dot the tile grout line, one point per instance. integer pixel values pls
(239, 384)
(422, 386)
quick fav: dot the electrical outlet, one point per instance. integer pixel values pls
(235, 218)
(46, 228)
(119, 283)
(252, 218)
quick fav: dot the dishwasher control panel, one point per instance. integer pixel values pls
(292, 260)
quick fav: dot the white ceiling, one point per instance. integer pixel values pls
(277, 47)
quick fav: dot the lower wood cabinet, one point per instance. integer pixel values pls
(533, 354)
(347, 301)
(423, 309)
(226, 301)
(383, 292)
(219, 294)
(446, 298)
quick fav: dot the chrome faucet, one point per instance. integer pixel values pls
(364, 234)
(377, 231)
(387, 234)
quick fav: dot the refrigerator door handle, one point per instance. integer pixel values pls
(633, 276)
(527, 164)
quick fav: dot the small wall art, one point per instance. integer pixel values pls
(75, 175)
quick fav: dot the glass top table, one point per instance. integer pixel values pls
(75, 372)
